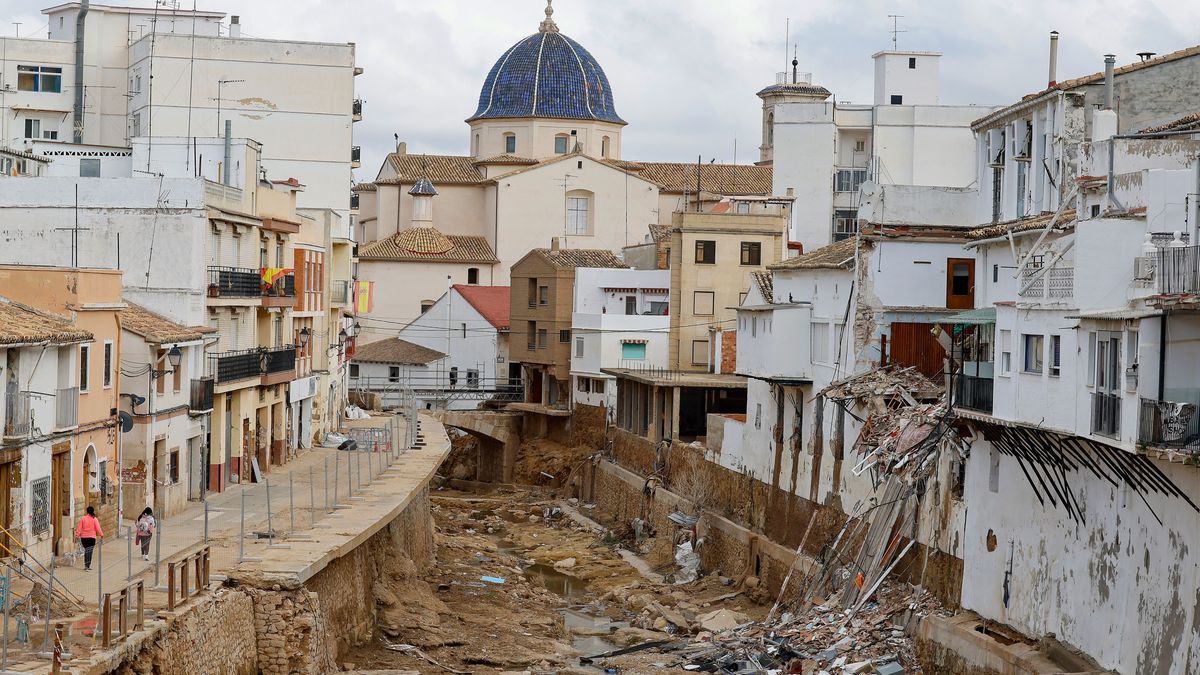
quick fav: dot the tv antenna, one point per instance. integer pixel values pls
(896, 31)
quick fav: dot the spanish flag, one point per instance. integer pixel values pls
(364, 300)
(272, 274)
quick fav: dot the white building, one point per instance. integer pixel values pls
(388, 368)
(164, 453)
(295, 97)
(822, 151)
(620, 319)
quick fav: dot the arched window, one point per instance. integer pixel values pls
(579, 212)
(604, 146)
(510, 143)
(771, 128)
(475, 146)
(562, 143)
(472, 275)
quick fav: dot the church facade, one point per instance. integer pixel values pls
(545, 164)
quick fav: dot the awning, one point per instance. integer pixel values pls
(1115, 314)
(976, 317)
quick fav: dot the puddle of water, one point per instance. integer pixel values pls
(555, 581)
(591, 644)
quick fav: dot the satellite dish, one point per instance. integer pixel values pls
(126, 421)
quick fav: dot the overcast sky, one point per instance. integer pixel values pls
(684, 72)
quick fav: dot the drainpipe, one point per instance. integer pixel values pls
(1053, 77)
(77, 135)
(1162, 355)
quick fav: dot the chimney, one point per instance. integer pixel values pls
(227, 179)
(1145, 56)
(235, 26)
(1109, 61)
(401, 148)
(1053, 79)
(555, 243)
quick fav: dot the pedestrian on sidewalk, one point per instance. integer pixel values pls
(88, 532)
(145, 531)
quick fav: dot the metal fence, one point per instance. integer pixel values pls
(190, 546)
(1178, 269)
(1106, 414)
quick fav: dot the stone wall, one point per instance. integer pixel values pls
(778, 516)
(216, 634)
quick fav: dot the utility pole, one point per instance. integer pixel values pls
(220, 89)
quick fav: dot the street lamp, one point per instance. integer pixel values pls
(303, 337)
(220, 86)
(174, 358)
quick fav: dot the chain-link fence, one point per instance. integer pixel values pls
(131, 573)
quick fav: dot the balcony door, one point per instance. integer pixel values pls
(1107, 363)
(960, 283)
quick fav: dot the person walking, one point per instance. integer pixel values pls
(145, 531)
(89, 532)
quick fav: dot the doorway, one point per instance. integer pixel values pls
(160, 451)
(960, 283)
(60, 493)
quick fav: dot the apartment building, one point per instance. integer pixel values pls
(822, 150)
(713, 258)
(540, 313)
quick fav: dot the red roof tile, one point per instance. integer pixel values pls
(490, 301)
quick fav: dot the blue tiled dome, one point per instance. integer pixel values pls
(547, 75)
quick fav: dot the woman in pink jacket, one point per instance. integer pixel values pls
(88, 532)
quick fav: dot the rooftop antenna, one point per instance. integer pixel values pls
(787, 37)
(795, 62)
(896, 29)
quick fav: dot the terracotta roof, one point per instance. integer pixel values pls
(1021, 224)
(766, 284)
(26, 154)
(581, 257)
(363, 187)
(660, 233)
(506, 159)
(22, 323)
(1186, 123)
(428, 244)
(490, 301)
(439, 169)
(155, 328)
(815, 90)
(724, 179)
(395, 350)
(839, 255)
(1067, 85)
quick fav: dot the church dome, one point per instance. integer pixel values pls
(547, 75)
(423, 241)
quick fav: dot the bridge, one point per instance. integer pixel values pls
(499, 436)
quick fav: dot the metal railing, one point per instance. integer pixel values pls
(439, 389)
(17, 414)
(178, 587)
(357, 107)
(236, 365)
(1056, 282)
(1106, 414)
(354, 200)
(355, 153)
(973, 393)
(339, 291)
(66, 408)
(280, 359)
(202, 394)
(234, 282)
(129, 600)
(1169, 424)
(1178, 270)
(284, 286)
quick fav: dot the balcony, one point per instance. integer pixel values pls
(17, 414)
(355, 156)
(236, 365)
(66, 408)
(1170, 424)
(356, 109)
(973, 393)
(1106, 414)
(1056, 283)
(234, 282)
(1178, 270)
(202, 395)
(353, 200)
(279, 365)
(339, 292)
(280, 293)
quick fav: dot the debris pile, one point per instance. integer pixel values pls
(823, 639)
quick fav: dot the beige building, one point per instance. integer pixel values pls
(713, 259)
